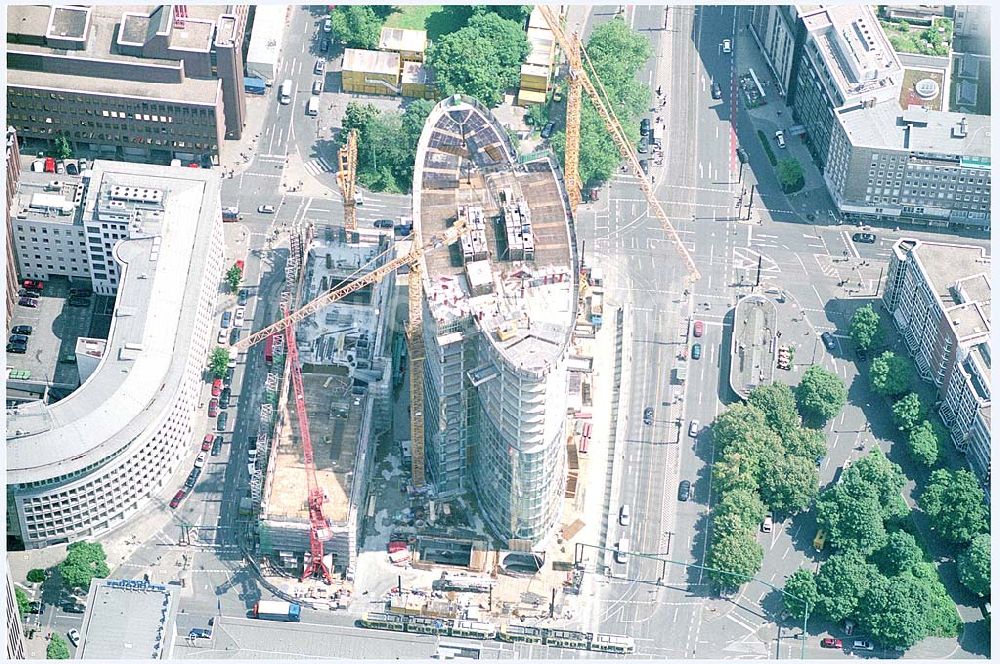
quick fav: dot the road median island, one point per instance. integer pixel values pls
(767, 147)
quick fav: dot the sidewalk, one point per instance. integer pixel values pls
(813, 199)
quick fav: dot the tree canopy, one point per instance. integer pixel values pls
(777, 402)
(218, 362)
(908, 412)
(801, 585)
(954, 503)
(820, 394)
(900, 553)
(790, 175)
(387, 143)
(22, 601)
(356, 26)
(57, 647)
(617, 53)
(924, 443)
(84, 561)
(737, 552)
(483, 59)
(791, 485)
(61, 148)
(974, 565)
(842, 582)
(866, 328)
(805, 442)
(891, 374)
(743, 504)
(233, 277)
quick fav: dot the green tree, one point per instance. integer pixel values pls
(941, 617)
(84, 561)
(36, 575)
(893, 611)
(57, 647)
(744, 505)
(482, 59)
(790, 175)
(842, 582)
(517, 13)
(900, 553)
(736, 552)
(875, 472)
(791, 485)
(233, 277)
(806, 443)
(218, 362)
(777, 402)
(908, 412)
(866, 328)
(974, 565)
(801, 584)
(616, 53)
(61, 149)
(923, 443)
(738, 422)
(733, 472)
(356, 26)
(852, 520)
(820, 394)
(22, 601)
(890, 374)
(954, 503)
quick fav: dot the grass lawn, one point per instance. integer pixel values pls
(906, 38)
(437, 20)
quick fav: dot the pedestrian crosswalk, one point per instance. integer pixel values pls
(319, 165)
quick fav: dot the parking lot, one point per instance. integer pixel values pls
(55, 328)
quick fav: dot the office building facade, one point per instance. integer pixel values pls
(13, 175)
(84, 465)
(939, 297)
(160, 83)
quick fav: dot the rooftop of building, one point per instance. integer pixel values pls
(753, 355)
(48, 197)
(371, 62)
(465, 164)
(128, 619)
(98, 26)
(400, 39)
(192, 91)
(853, 46)
(141, 370)
(335, 425)
(886, 126)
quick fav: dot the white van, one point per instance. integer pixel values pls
(285, 92)
(768, 524)
(621, 551)
(312, 106)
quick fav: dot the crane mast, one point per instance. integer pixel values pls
(347, 157)
(577, 57)
(319, 531)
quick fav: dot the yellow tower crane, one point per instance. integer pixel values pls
(579, 77)
(415, 329)
(347, 156)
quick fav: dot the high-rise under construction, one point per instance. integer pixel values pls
(499, 308)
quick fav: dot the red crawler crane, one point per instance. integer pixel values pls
(319, 532)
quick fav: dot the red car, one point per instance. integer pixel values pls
(241, 265)
(213, 407)
(831, 643)
(216, 387)
(176, 500)
(34, 285)
(50, 165)
(206, 444)
(699, 328)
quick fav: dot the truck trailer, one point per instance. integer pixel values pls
(271, 610)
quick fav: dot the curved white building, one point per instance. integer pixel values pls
(85, 464)
(500, 308)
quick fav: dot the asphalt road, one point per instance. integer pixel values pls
(825, 276)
